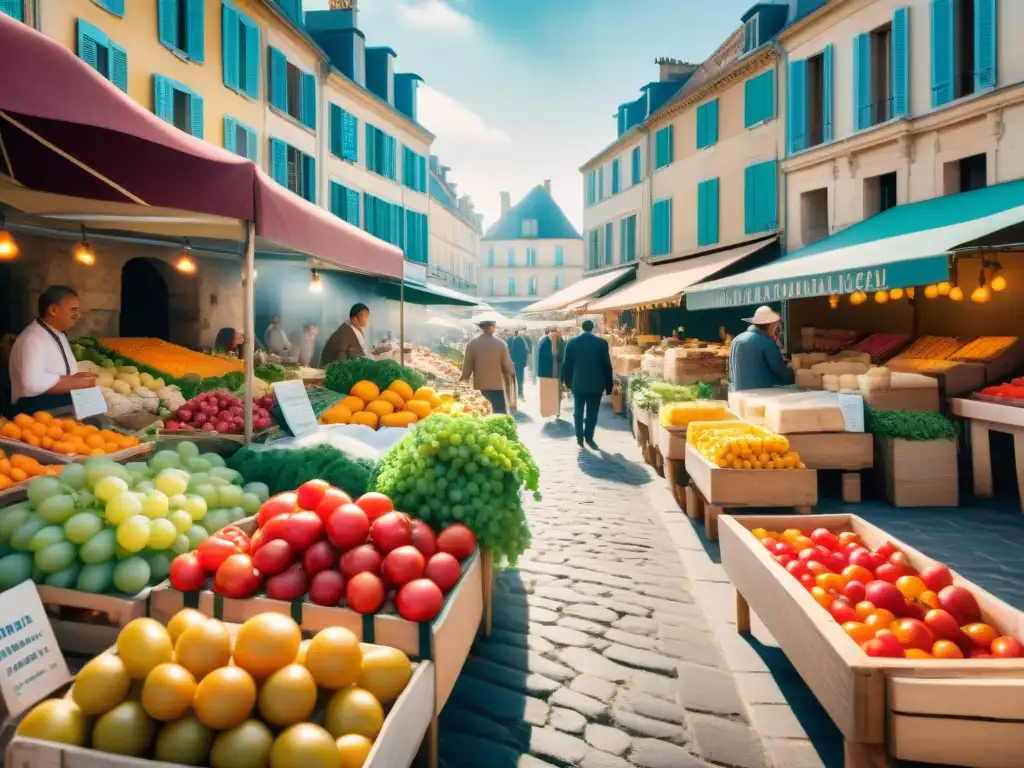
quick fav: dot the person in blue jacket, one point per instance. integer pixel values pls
(755, 360)
(520, 352)
(587, 370)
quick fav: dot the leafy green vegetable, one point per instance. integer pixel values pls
(341, 376)
(286, 470)
(639, 384)
(647, 400)
(676, 393)
(910, 425)
(271, 373)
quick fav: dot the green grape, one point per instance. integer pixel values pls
(196, 536)
(105, 468)
(32, 525)
(216, 519)
(12, 518)
(165, 459)
(121, 507)
(250, 503)
(161, 534)
(197, 479)
(100, 548)
(172, 481)
(235, 514)
(74, 476)
(177, 501)
(144, 486)
(181, 544)
(215, 459)
(51, 534)
(81, 527)
(159, 564)
(226, 474)
(131, 575)
(56, 557)
(155, 505)
(41, 488)
(181, 520)
(229, 496)
(187, 450)
(260, 489)
(66, 578)
(138, 468)
(216, 482)
(109, 488)
(14, 569)
(96, 577)
(57, 509)
(196, 506)
(197, 464)
(133, 533)
(208, 492)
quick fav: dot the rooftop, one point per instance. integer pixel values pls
(538, 206)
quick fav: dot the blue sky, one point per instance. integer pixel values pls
(518, 91)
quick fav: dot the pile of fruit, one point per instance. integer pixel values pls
(682, 414)
(65, 436)
(432, 364)
(738, 445)
(316, 541)
(396, 406)
(192, 694)
(100, 526)
(221, 412)
(883, 603)
(17, 468)
(984, 348)
(931, 348)
(171, 359)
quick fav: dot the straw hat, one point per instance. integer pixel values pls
(763, 316)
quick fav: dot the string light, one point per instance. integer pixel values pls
(896, 294)
(931, 291)
(185, 264)
(881, 297)
(945, 288)
(910, 293)
(8, 247)
(981, 295)
(956, 293)
(315, 283)
(833, 302)
(83, 252)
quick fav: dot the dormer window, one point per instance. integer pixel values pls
(529, 227)
(750, 34)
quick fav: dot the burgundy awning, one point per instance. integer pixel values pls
(66, 130)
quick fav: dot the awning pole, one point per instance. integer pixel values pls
(249, 323)
(401, 320)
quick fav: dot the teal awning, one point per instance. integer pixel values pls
(906, 246)
(425, 293)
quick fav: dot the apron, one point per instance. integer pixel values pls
(45, 402)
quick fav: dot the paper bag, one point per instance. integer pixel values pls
(550, 395)
(510, 394)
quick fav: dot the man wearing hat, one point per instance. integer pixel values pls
(488, 361)
(755, 360)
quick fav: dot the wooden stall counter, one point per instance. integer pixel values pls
(983, 418)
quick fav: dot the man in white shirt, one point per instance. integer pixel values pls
(275, 339)
(42, 366)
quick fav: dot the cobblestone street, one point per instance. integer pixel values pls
(600, 656)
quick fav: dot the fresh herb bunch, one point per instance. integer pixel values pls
(910, 425)
(341, 376)
(271, 373)
(286, 470)
(647, 400)
(639, 384)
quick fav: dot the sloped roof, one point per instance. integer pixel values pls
(442, 194)
(539, 205)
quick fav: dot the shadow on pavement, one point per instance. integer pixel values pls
(614, 468)
(522, 418)
(559, 429)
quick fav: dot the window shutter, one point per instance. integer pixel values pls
(250, 148)
(371, 149)
(423, 174)
(252, 60)
(768, 95)
(89, 41)
(349, 137)
(769, 196)
(229, 135)
(278, 80)
(615, 176)
(750, 102)
(749, 198)
(163, 98)
(229, 39)
(309, 178)
(702, 126)
(389, 157)
(609, 243)
(797, 106)
(900, 63)
(196, 30)
(118, 65)
(279, 162)
(827, 111)
(334, 129)
(196, 118)
(861, 81)
(942, 52)
(636, 165)
(167, 23)
(352, 206)
(623, 230)
(13, 8)
(308, 107)
(334, 198)
(984, 44)
(707, 212)
(712, 124)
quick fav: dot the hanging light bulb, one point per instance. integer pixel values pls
(910, 293)
(83, 252)
(856, 298)
(998, 283)
(956, 293)
(896, 294)
(8, 246)
(315, 283)
(981, 295)
(833, 301)
(931, 291)
(185, 263)
(944, 288)
(881, 297)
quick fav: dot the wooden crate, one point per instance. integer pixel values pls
(919, 473)
(86, 623)
(925, 399)
(672, 443)
(136, 453)
(932, 710)
(847, 452)
(720, 489)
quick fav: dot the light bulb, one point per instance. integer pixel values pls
(84, 255)
(315, 284)
(8, 247)
(881, 297)
(998, 283)
(981, 295)
(896, 294)
(910, 293)
(856, 299)
(185, 265)
(956, 293)
(931, 291)
(944, 288)
(833, 301)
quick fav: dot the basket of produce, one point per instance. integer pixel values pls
(882, 346)
(53, 437)
(222, 413)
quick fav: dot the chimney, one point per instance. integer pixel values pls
(380, 73)
(547, 185)
(506, 203)
(435, 164)
(335, 30)
(674, 69)
(444, 174)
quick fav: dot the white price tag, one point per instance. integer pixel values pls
(295, 405)
(88, 402)
(852, 407)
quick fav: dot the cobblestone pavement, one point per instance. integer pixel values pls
(600, 657)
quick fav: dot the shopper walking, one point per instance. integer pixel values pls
(520, 353)
(587, 370)
(488, 362)
(549, 364)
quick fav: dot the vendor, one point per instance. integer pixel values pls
(348, 342)
(755, 360)
(229, 341)
(42, 366)
(275, 339)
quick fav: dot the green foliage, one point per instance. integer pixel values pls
(910, 425)
(271, 373)
(639, 384)
(286, 470)
(341, 376)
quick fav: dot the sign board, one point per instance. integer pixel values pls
(852, 407)
(295, 405)
(88, 402)
(31, 664)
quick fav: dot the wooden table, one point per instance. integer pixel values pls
(847, 452)
(983, 418)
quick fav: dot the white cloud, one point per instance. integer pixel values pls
(435, 15)
(453, 121)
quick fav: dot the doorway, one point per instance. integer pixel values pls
(145, 308)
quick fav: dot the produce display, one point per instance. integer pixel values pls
(469, 469)
(67, 437)
(1013, 390)
(396, 406)
(126, 390)
(172, 359)
(344, 375)
(221, 412)
(909, 425)
(885, 605)
(738, 445)
(193, 694)
(881, 346)
(432, 364)
(932, 348)
(681, 414)
(826, 339)
(649, 394)
(17, 468)
(316, 541)
(100, 526)
(283, 470)
(984, 348)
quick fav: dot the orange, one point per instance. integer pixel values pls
(5, 466)
(24, 421)
(66, 424)
(39, 430)
(88, 429)
(97, 452)
(11, 430)
(43, 417)
(47, 443)
(879, 619)
(32, 440)
(858, 631)
(94, 441)
(55, 433)
(392, 397)
(111, 447)
(78, 430)
(946, 649)
(17, 475)
(5, 482)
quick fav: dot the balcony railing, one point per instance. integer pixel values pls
(450, 279)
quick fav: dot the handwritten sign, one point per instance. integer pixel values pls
(295, 405)
(852, 407)
(31, 664)
(88, 402)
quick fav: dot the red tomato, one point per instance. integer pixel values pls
(443, 570)
(213, 551)
(288, 586)
(327, 588)
(457, 540)
(321, 556)
(256, 541)
(331, 500)
(281, 504)
(391, 531)
(236, 577)
(365, 593)
(302, 529)
(365, 558)
(374, 505)
(423, 538)
(274, 529)
(273, 557)
(419, 600)
(348, 526)
(403, 565)
(311, 493)
(236, 536)
(825, 538)
(187, 575)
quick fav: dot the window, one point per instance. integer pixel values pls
(511, 257)
(759, 99)
(881, 79)
(239, 138)
(416, 237)
(600, 183)
(661, 228)
(557, 283)
(511, 286)
(490, 257)
(591, 187)
(751, 37)
(344, 203)
(609, 244)
(529, 228)
(344, 128)
(532, 286)
(380, 152)
(663, 147)
(760, 204)
(414, 170)
(809, 106)
(814, 216)
(963, 36)
(178, 105)
(180, 27)
(13, 8)
(531, 257)
(707, 124)
(636, 165)
(615, 176)
(559, 256)
(965, 174)
(627, 239)
(815, 99)
(384, 220)
(292, 91)
(241, 44)
(103, 55)
(879, 194)
(293, 169)
(490, 286)
(881, 64)
(593, 246)
(707, 212)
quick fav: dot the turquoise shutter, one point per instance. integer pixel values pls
(250, 149)
(707, 212)
(827, 111)
(334, 199)
(13, 8)
(615, 176)
(623, 230)
(90, 40)
(796, 107)
(116, 7)
(750, 102)
(163, 98)
(368, 213)
(308, 106)
(350, 137)
(636, 165)
(278, 80)
(769, 95)
(371, 160)
(702, 126)
(352, 206)
(769, 196)
(229, 41)
(252, 60)
(407, 179)
(609, 243)
(862, 82)
(900, 63)
(279, 161)
(392, 160)
(196, 30)
(309, 178)
(229, 135)
(167, 23)
(749, 198)
(671, 144)
(196, 117)
(942, 52)
(712, 126)
(984, 44)
(334, 129)
(118, 65)
(600, 183)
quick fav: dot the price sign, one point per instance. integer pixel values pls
(295, 405)
(88, 402)
(852, 407)
(31, 664)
